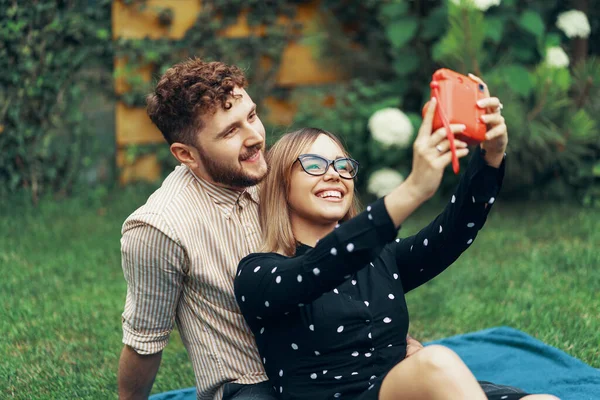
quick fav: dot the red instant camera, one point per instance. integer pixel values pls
(457, 97)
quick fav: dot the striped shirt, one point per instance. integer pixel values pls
(180, 253)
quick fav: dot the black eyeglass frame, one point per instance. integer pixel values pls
(329, 162)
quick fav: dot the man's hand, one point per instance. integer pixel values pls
(412, 346)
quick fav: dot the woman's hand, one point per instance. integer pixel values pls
(496, 138)
(412, 346)
(431, 155)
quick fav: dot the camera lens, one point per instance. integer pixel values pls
(481, 87)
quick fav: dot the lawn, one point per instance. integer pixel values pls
(533, 267)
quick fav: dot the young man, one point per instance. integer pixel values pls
(181, 249)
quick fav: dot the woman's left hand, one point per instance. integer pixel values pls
(496, 138)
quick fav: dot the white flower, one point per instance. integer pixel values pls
(556, 57)
(482, 5)
(391, 127)
(383, 181)
(574, 23)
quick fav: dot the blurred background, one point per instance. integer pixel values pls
(78, 154)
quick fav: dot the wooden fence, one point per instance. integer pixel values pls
(133, 127)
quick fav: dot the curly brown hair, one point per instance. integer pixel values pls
(189, 91)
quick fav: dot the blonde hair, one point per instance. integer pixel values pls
(274, 211)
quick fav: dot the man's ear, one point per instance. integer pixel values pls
(185, 154)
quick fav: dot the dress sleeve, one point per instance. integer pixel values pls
(269, 284)
(423, 256)
(153, 266)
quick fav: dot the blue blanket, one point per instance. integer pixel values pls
(509, 357)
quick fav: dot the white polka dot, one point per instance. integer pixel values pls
(349, 247)
(313, 376)
(389, 345)
(355, 373)
(391, 296)
(370, 336)
(317, 353)
(337, 395)
(473, 198)
(395, 276)
(262, 330)
(299, 278)
(347, 276)
(398, 240)
(354, 282)
(337, 226)
(503, 397)
(280, 372)
(281, 389)
(372, 377)
(239, 273)
(243, 298)
(338, 377)
(411, 246)
(300, 304)
(294, 346)
(369, 208)
(421, 270)
(333, 251)
(368, 355)
(372, 265)
(266, 304)
(491, 200)
(470, 225)
(316, 271)
(371, 387)
(469, 241)
(273, 270)
(264, 360)
(256, 269)
(355, 354)
(453, 199)
(425, 242)
(336, 291)
(441, 229)
(370, 217)
(340, 329)
(366, 303)
(278, 279)
(324, 371)
(311, 327)
(387, 320)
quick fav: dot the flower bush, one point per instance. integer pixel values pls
(539, 58)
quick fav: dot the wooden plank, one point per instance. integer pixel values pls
(129, 22)
(135, 127)
(144, 168)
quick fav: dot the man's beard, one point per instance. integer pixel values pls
(227, 174)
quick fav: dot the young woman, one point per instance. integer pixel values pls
(326, 299)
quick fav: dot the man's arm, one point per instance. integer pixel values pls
(412, 345)
(136, 374)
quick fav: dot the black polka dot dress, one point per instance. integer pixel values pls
(331, 321)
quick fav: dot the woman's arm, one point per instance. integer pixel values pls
(269, 284)
(423, 256)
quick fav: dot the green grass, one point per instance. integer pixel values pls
(533, 267)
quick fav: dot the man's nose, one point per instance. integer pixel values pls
(253, 136)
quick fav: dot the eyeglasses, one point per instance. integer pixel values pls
(316, 165)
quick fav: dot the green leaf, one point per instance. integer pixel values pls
(596, 170)
(401, 31)
(518, 79)
(395, 10)
(532, 22)
(494, 29)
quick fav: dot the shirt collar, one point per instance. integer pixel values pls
(302, 248)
